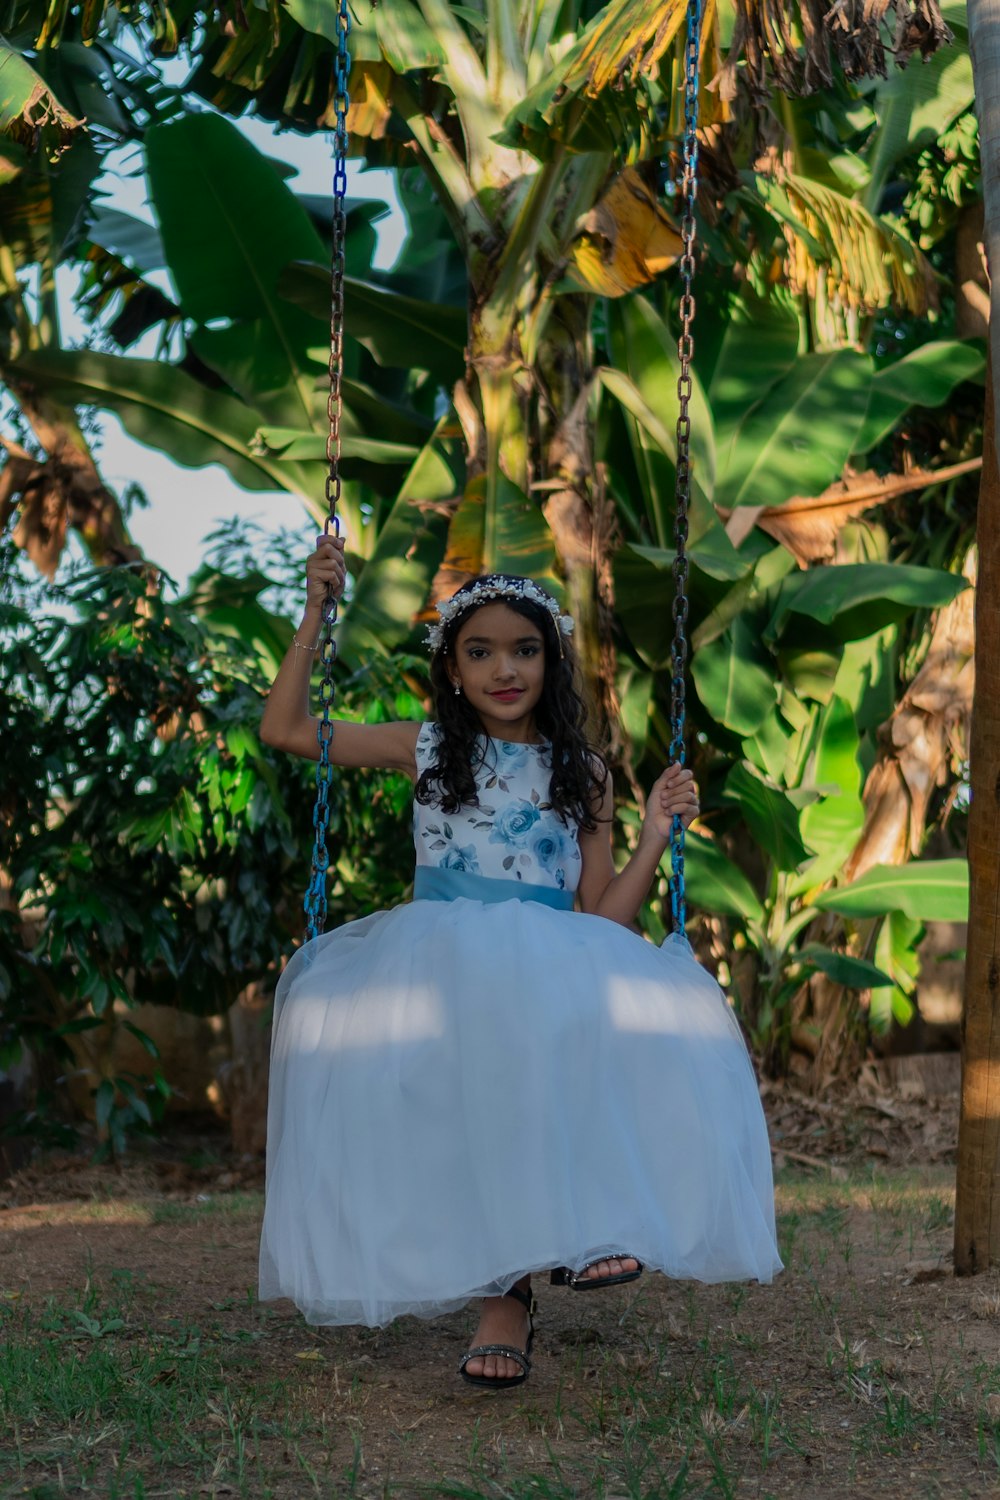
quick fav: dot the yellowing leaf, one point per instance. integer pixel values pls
(625, 240)
(312, 1354)
(623, 43)
(370, 109)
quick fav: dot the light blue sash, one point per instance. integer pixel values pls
(430, 884)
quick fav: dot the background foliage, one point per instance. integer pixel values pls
(509, 401)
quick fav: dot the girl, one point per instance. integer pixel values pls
(501, 1078)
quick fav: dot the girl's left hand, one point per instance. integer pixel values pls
(674, 791)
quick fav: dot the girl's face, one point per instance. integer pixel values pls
(499, 664)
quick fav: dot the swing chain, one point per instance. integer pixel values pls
(314, 904)
(682, 489)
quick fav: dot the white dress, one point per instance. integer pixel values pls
(484, 1082)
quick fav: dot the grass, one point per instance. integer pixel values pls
(207, 1206)
(90, 1389)
(850, 1377)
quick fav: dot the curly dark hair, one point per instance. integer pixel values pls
(579, 775)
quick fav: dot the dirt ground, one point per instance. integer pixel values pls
(867, 1369)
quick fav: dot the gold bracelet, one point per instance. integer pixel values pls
(299, 646)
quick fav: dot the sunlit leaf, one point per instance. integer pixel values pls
(735, 679)
(771, 818)
(928, 890)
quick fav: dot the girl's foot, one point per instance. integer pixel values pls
(613, 1267)
(502, 1320)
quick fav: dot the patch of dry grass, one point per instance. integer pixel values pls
(137, 1362)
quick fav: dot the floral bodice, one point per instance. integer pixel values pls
(512, 834)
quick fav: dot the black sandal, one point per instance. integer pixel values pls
(579, 1281)
(522, 1357)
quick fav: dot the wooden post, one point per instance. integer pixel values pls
(977, 1211)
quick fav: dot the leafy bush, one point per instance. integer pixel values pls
(154, 849)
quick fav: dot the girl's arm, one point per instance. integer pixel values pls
(602, 892)
(287, 723)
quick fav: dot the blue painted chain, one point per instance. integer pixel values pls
(314, 904)
(682, 490)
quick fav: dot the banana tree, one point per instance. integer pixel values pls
(794, 668)
(241, 375)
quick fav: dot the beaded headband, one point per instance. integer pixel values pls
(489, 588)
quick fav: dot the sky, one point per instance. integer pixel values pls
(186, 504)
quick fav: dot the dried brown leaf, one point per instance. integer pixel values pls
(808, 525)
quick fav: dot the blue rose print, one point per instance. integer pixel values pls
(512, 757)
(461, 859)
(553, 848)
(549, 845)
(514, 823)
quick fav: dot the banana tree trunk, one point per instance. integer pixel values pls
(576, 507)
(977, 1214)
(525, 407)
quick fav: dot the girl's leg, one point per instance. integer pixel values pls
(502, 1320)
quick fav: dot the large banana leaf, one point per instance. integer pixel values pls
(289, 443)
(398, 331)
(771, 817)
(928, 890)
(854, 600)
(644, 589)
(714, 882)
(229, 227)
(831, 825)
(926, 377)
(759, 346)
(406, 40)
(643, 379)
(167, 409)
(799, 435)
(395, 582)
(735, 678)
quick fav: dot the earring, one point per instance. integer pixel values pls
(458, 689)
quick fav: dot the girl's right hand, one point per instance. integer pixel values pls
(326, 571)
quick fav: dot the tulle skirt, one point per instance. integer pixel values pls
(462, 1092)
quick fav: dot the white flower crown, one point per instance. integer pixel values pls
(489, 588)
